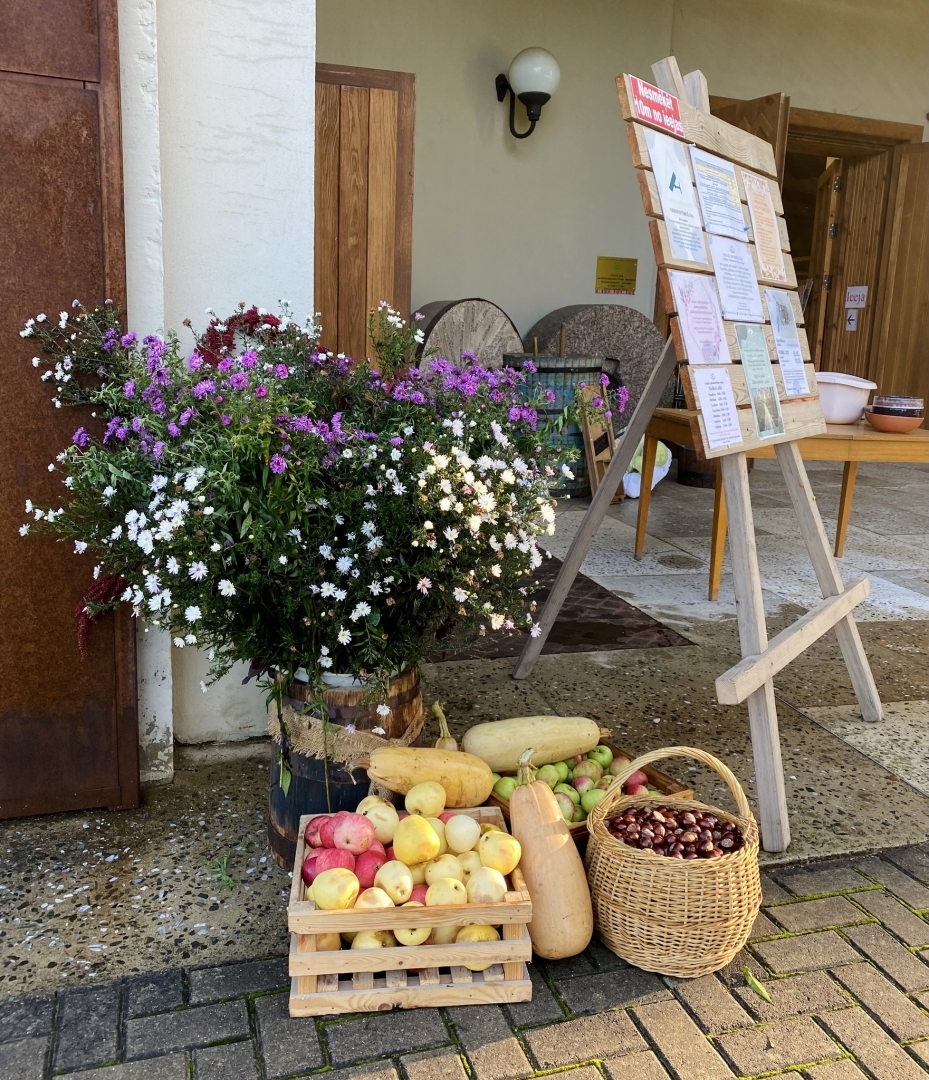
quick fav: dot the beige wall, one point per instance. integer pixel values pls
(521, 223)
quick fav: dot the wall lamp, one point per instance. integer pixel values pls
(533, 78)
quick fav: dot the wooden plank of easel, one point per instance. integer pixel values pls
(740, 387)
(696, 91)
(712, 134)
(753, 638)
(738, 682)
(829, 578)
(668, 77)
(651, 200)
(665, 258)
(803, 417)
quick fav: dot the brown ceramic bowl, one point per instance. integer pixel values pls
(895, 424)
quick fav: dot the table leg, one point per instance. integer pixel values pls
(845, 505)
(718, 536)
(649, 453)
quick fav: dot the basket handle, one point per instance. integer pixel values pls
(615, 791)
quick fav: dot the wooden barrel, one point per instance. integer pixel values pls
(563, 376)
(321, 787)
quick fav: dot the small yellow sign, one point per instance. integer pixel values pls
(616, 275)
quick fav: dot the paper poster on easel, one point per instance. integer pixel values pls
(759, 379)
(701, 321)
(676, 192)
(764, 228)
(735, 279)
(787, 342)
(717, 406)
(719, 194)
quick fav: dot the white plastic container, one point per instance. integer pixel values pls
(843, 397)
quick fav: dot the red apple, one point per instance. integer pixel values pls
(367, 865)
(333, 859)
(419, 893)
(390, 854)
(326, 827)
(354, 832)
(376, 845)
(308, 870)
(311, 834)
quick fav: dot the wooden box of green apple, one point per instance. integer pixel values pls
(571, 756)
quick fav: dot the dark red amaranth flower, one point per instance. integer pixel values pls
(216, 343)
(104, 590)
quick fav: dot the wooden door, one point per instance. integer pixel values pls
(766, 117)
(68, 728)
(899, 356)
(825, 231)
(857, 258)
(364, 199)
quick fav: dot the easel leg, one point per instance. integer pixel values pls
(649, 453)
(599, 505)
(753, 637)
(845, 505)
(829, 578)
(718, 536)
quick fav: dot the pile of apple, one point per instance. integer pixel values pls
(424, 856)
(579, 783)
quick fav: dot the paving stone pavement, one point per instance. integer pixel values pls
(840, 947)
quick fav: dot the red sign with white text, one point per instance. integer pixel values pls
(656, 107)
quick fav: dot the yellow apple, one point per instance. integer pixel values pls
(444, 935)
(368, 801)
(418, 870)
(439, 825)
(499, 851)
(374, 939)
(445, 891)
(487, 827)
(375, 897)
(427, 799)
(328, 942)
(335, 889)
(396, 881)
(469, 861)
(443, 866)
(486, 886)
(474, 934)
(415, 936)
(461, 833)
(416, 841)
(385, 820)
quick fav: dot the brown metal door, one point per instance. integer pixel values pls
(364, 199)
(68, 728)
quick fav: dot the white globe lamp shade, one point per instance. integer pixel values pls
(534, 76)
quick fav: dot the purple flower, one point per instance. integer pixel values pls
(249, 358)
(282, 371)
(173, 430)
(278, 464)
(418, 397)
(261, 391)
(515, 413)
(127, 340)
(529, 366)
(224, 365)
(158, 449)
(596, 402)
(604, 379)
(111, 428)
(226, 419)
(238, 381)
(121, 433)
(109, 339)
(129, 388)
(80, 438)
(194, 362)
(204, 387)
(397, 440)
(137, 424)
(186, 416)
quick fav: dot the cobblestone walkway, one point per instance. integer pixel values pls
(842, 947)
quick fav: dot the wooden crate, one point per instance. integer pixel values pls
(656, 779)
(365, 980)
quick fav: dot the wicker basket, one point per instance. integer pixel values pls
(680, 918)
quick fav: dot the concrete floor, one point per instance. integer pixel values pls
(93, 896)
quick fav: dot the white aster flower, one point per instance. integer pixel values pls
(344, 636)
(495, 570)
(328, 589)
(23, 530)
(158, 482)
(398, 488)
(192, 613)
(190, 639)
(203, 687)
(378, 731)
(207, 510)
(179, 643)
(457, 429)
(375, 588)
(197, 571)
(226, 588)
(173, 566)
(325, 662)
(496, 622)
(152, 583)
(282, 559)
(566, 471)
(360, 611)
(116, 533)
(215, 546)
(536, 630)
(340, 594)
(474, 523)
(395, 454)
(344, 564)
(326, 551)
(383, 710)
(424, 585)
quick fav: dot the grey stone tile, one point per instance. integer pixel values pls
(913, 929)
(169, 1067)
(24, 1016)
(288, 1044)
(543, 1008)
(713, 1005)
(732, 975)
(607, 1035)
(903, 885)
(681, 1042)
(845, 1069)
(377, 1070)
(914, 860)
(890, 956)
(797, 1041)
(434, 1065)
(582, 964)
(604, 958)
(492, 1048)
(814, 992)
(159, 992)
(610, 990)
(763, 927)
(186, 1028)
(806, 952)
(871, 1045)
(231, 1061)
(23, 1059)
(817, 914)
(879, 996)
(771, 892)
(635, 1067)
(234, 980)
(375, 1036)
(827, 879)
(88, 1027)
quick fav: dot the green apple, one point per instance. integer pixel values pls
(603, 755)
(588, 767)
(505, 787)
(590, 798)
(566, 789)
(563, 771)
(548, 774)
(580, 814)
(565, 805)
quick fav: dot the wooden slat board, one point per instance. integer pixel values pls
(802, 415)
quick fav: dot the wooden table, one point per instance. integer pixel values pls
(849, 443)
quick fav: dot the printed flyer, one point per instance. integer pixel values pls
(678, 201)
(787, 342)
(719, 194)
(701, 322)
(759, 379)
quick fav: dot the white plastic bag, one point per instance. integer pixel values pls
(632, 480)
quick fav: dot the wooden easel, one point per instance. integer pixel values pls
(751, 679)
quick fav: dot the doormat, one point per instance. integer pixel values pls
(592, 619)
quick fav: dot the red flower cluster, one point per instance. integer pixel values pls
(219, 338)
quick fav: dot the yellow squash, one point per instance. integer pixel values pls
(467, 780)
(501, 742)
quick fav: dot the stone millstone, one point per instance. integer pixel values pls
(477, 326)
(626, 339)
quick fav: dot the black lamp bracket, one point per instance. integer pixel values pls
(503, 87)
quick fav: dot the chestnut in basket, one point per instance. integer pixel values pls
(676, 834)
